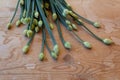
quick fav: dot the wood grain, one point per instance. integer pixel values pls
(100, 63)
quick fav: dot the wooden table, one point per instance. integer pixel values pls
(100, 63)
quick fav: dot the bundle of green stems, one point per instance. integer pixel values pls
(39, 15)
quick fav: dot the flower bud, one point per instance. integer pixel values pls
(87, 45)
(96, 24)
(9, 26)
(74, 26)
(36, 14)
(56, 49)
(54, 55)
(67, 45)
(35, 21)
(37, 29)
(54, 16)
(25, 32)
(32, 27)
(40, 23)
(70, 27)
(41, 56)
(26, 21)
(68, 22)
(80, 21)
(29, 33)
(24, 13)
(47, 5)
(51, 26)
(25, 49)
(22, 2)
(68, 5)
(18, 23)
(65, 12)
(22, 20)
(107, 41)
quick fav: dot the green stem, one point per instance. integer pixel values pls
(15, 11)
(45, 22)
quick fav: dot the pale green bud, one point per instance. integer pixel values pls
(40, 23)
(18, 23)
(47, 5)
(29, 33)
(35, 21)
(54, 55)
(54, 16)
(32, 27)
(36, 14)
(56, 49)
(65, 12)
(67, 45)
(87, 45)
(107, 41)
(26, 21)
(21, 2)
(70, 27)
(25, 32)
(9, 25)
(68, 22)
(96, 24)
(51, 26)
(24, 13)
(37, 29)
(22, 20)
(41, 56)
(25, 49)
(74, 26)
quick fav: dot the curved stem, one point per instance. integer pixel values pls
(15, 11)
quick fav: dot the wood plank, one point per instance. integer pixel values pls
(100, 63)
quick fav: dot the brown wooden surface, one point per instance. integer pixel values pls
(100, 63)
